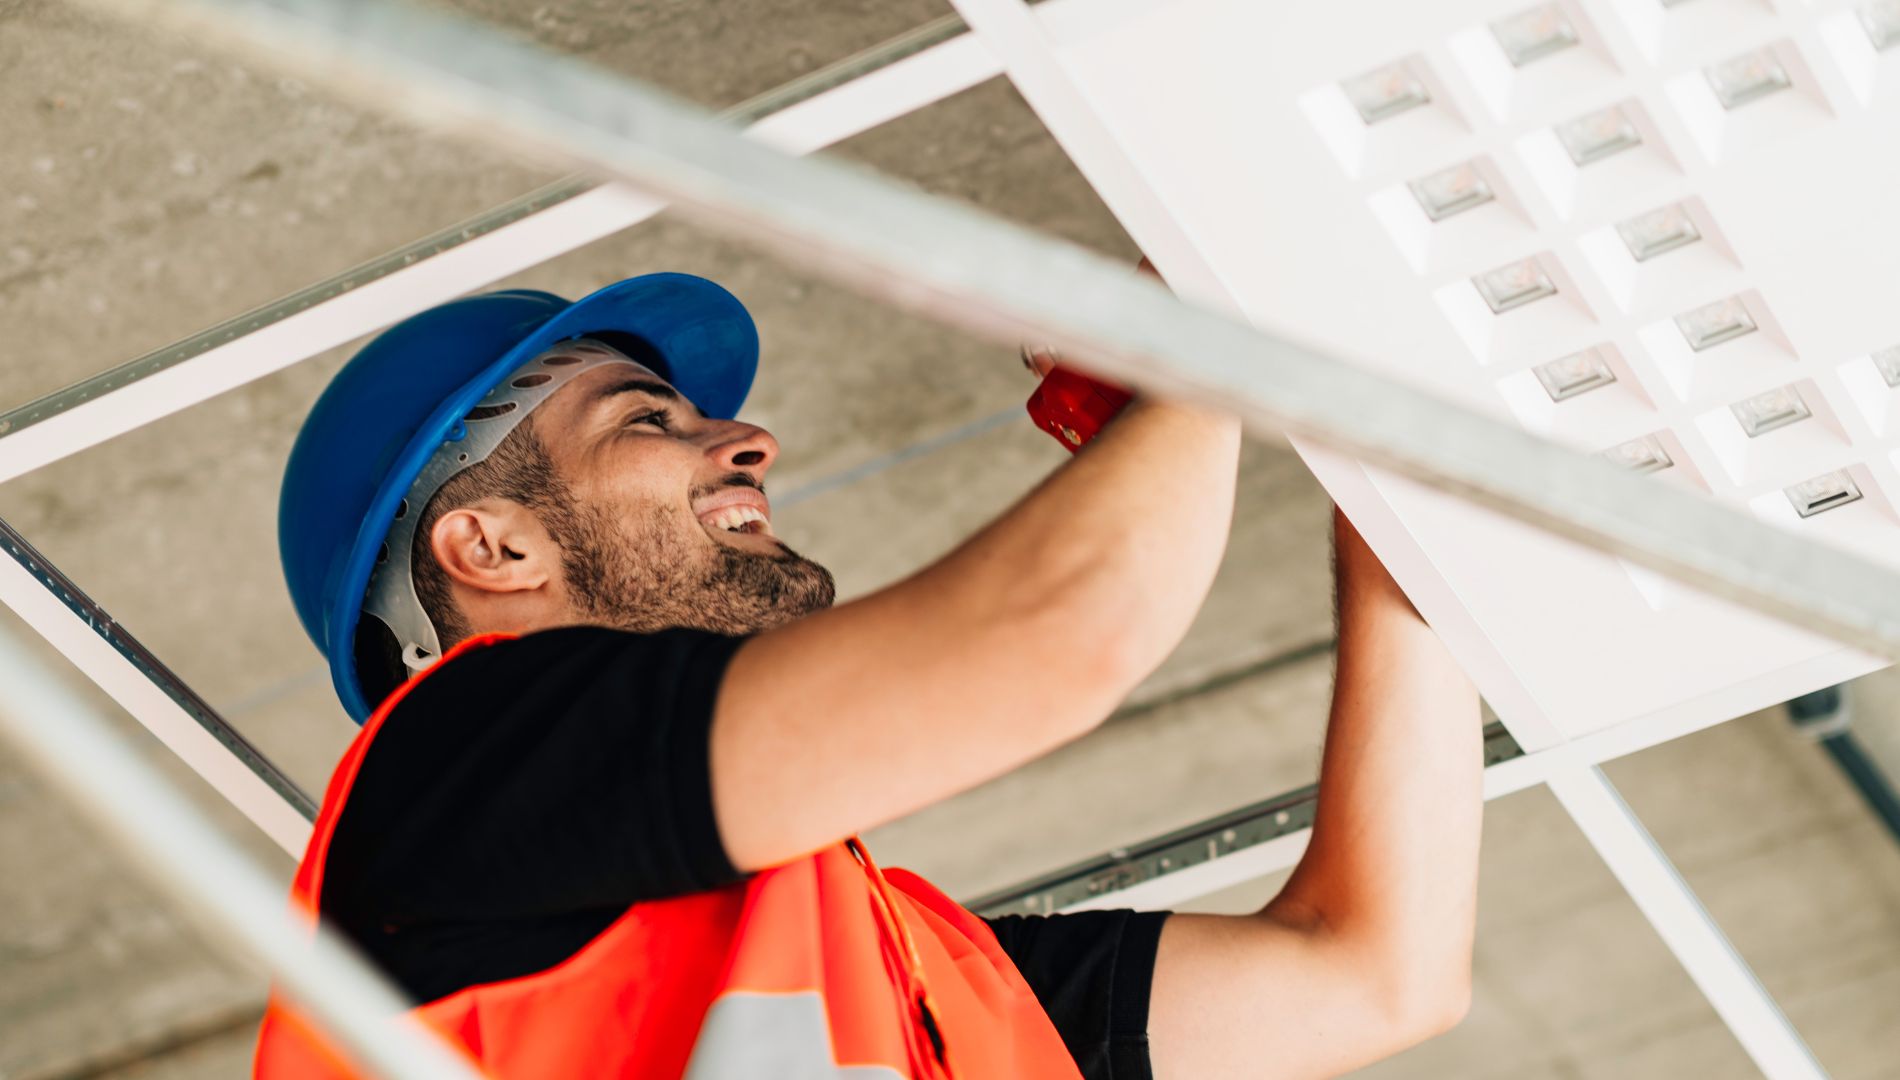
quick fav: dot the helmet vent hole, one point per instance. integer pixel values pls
(559, 360)
(402, 509)
(536, 379)
(382, 554)
(489, 412)
(462, 457)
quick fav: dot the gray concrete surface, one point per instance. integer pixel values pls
(152, 189)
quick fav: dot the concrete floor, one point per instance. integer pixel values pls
(153, 188)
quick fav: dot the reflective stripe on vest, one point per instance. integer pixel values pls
(824, 968)
(745, 1036)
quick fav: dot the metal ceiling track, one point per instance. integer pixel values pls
(1203, 842)
(86, 609)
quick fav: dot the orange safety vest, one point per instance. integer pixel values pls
(824, 967)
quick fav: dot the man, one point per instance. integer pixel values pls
(602, 822)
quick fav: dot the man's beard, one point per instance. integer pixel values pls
(655, 576)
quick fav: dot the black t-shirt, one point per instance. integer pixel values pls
(520, 798)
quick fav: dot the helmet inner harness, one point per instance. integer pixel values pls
(391, 597)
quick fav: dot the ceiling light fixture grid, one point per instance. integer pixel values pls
(1488, 182)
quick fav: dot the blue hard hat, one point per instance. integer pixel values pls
(405, 394)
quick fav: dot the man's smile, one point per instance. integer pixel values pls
(735, 509)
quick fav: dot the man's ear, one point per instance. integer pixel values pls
(494, 546)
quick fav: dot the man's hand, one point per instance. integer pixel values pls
(1367, 949)
(1024, 637)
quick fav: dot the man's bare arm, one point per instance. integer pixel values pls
(1023, 638)
(1367, 949)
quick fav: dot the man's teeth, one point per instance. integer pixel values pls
(736, 518)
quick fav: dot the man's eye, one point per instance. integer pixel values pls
(656, 417)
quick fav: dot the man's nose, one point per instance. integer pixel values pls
(745, 447)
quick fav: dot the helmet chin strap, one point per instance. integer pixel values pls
(391, 597)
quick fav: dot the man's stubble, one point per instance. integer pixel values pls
(652, 574)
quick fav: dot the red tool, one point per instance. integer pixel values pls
(1072, 406)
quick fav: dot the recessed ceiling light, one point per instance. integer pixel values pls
(1534, 34)
(1881, 20)
(1649, 235)
(1568, 376)
(1888, 361)
(1451, 191)
(1642, 455)
(1743, 79)
(1514, 285)
(1712, 324)
(1384, 93)
(1595, 136)
(1824, 492)
(1765, 412)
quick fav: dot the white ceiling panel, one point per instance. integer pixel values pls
(1386, 180)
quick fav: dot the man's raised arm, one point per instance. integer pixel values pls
(1367, 949)
(1021, 639)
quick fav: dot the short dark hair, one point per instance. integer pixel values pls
(519, 469)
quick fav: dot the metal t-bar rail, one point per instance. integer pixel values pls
(274, 802)
(969, 269)
(238, 905)
(1183, 849)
